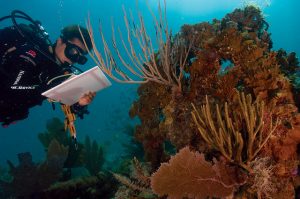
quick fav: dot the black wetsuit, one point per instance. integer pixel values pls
(24, 73)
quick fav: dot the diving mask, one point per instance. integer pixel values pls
(75, 53)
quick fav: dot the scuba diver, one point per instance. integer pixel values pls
(30, 65)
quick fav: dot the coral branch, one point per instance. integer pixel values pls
(237, 145)
(141, 63)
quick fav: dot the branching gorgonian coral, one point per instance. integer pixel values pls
(142, 63)
(238, 134)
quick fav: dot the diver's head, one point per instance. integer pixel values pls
(70, 47)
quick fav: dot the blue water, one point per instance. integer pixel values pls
(109, 111)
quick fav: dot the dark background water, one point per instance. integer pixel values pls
(109, 111)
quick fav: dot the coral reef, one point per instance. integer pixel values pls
(93, 156)
(30, 178)
(226, 56)
(94, 187)
(53, 177)
(149, 133)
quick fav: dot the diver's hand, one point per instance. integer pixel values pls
(86, 98)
